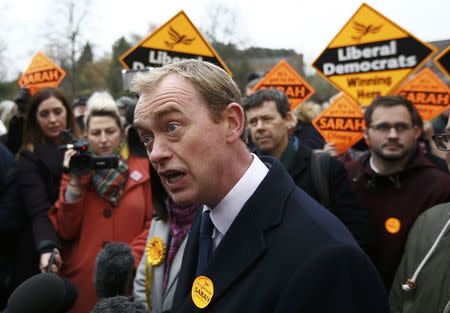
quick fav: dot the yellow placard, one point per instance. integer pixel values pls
(177, 39)
(41, 73)
(202, 291)
(428, 93)
(341, 123)
(370, 56)
(285, 79)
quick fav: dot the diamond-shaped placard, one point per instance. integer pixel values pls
(178, 39)
(428, 93)
(370, 56)
(341, 123)
(284, 78)
(41, 73)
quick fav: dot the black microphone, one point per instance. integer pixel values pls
(42, 293)
(113, 270)
(120, 304)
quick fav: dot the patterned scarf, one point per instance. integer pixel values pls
(180, 222)
(110, 183)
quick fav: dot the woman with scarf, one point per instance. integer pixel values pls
(157, 274)
(107, 205)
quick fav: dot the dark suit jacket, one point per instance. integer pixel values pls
(344, 202)
(283, 253)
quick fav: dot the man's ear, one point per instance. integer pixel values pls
(366, 137)
(234, 117)
(290, 120)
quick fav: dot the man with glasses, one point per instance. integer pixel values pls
(422, 282)
(394, 180)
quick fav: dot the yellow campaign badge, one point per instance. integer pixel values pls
(155, 251)
(202, 291)
(392, 225)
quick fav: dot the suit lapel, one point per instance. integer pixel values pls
(244, 243)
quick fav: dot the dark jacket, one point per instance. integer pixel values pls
(343, 201)
(38, 175)
(11, 219)
(394, 203)
(308, 135)
(283, 253)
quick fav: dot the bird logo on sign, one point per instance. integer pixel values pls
(364, 30)
(176, 38)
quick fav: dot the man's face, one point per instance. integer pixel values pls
(184, 144)
(391, 136)
(269, 131)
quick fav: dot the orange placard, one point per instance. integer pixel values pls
(284, 78)
(370, 56)
(41, 73)
(443, 61)
(342, 123)
(428, 93)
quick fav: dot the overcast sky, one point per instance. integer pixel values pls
(305, 26)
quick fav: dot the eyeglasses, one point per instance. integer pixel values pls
(385, 128)
(442, 141)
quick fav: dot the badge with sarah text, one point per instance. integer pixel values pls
(202, 291)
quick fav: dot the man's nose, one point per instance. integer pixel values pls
(103, 137)
(159, 151)
(392, 133)
(260, 124)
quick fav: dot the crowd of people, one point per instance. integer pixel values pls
(193, 197)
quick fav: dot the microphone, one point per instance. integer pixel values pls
(120, 304)
(113, 270)
(42, 293)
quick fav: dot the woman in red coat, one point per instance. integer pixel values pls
(109, 205)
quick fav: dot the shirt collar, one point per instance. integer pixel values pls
(226, 211)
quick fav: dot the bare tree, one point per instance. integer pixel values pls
(66, 45)
(222, 24)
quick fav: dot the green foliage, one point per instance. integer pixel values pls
(8, 89)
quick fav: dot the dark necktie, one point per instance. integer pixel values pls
(205, 241)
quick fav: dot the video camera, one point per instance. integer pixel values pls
(83, 160)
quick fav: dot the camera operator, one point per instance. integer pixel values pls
(96, 206)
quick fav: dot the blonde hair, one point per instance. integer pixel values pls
(307, 112)
(101, 103)
(215, 86)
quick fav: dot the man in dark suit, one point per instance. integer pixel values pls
(321, 176)
(260, 243)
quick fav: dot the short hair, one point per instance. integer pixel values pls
(120, 304)
(389, 102)
(33, 133)
(257, 99)
(307, 112)
(102, 104)
(215, 86)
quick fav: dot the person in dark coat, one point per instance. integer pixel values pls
(394, 179)
(269, 121)
(39, 170)
(10, 221)
(259, 243)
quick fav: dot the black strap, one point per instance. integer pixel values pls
(320, 164)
